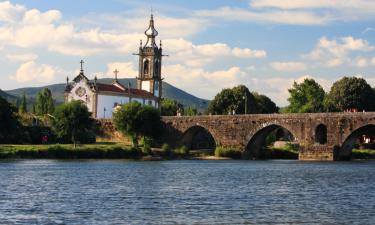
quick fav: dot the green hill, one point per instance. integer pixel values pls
(169, 91)
(8, 97)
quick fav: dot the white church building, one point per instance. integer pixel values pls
(102, 99)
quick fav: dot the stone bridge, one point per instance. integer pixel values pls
(321, 136)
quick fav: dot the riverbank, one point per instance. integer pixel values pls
(109, 150)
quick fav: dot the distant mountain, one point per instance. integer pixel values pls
(169, 91)
(8, 97)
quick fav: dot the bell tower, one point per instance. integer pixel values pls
(150, 56)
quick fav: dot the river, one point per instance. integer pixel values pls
(186, 192)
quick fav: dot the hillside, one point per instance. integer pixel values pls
(8, 97)
(170, 91)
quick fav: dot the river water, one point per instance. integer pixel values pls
(186, 192)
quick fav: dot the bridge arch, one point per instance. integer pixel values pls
(321, 134)
(257, 140)
(354, 139)
(198, 137)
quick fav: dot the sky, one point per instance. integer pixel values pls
(263, 44)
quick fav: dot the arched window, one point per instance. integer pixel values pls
(145, 66)
(321, 134)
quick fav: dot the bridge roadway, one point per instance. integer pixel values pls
(321, 136)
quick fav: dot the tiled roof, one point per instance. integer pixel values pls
(113, 88)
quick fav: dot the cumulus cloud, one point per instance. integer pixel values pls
(335, 52)
(126, 70)
(21, 57)
(31, 71)
(288, 66)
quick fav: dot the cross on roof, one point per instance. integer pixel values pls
(82, 62)
(116, 72)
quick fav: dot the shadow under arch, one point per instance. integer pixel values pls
(198, 137)
(355, 139)
(321, 134)
(254, 148)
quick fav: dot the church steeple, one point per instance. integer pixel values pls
(150, 57)
(151, 33)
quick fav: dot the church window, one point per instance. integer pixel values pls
(145, 66)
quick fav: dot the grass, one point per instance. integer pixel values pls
(67, 151)
(363, 154)
(228, 152)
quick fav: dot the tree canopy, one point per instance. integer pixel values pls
(9, 125)
(71, 121)
(169, 107)
(44, 102)
(233, 100)
(351, 93)
(137, 121)
(306, 97)
(264, 104)
(23, 105)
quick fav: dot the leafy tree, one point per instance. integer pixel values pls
(23, 105)
(265, 104)
(232, 100)
(137, 121)
(306, 97)
(169, 107)
(351, 93)
(71, 121)
(44, 102)
(9, 125)
(191, 111)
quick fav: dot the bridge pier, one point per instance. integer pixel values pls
(317, 152)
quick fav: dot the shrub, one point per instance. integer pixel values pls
(229, 152)
(183, 150)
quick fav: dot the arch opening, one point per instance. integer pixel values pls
(145, 66)
(321, 134)
(362, 138)
(274, 141)
(198, 138)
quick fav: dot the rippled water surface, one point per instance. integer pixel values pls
(186, 192)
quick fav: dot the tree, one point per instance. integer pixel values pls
(137, 121)
(351, 93)
(23, 105)
(306, 97)
(9, 125)
(190, 111)
(44, 102)
(169, 107)
(71, 121)
(264, 104)
(233, 100)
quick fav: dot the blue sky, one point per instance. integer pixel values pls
(264, 44)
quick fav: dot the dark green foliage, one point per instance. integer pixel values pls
(351, 93)
(233, 100)
(138, 121)
(306, 97)
(10, 129)
(44, 102)
(23, 105)
(170, 107)
(264, 104)
(72, 122)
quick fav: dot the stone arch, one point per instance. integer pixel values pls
(321, 134)
(354, 140)
(256, 141)
(198, 137)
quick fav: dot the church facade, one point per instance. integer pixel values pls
(102, 99)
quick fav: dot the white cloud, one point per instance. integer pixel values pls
(335, 52)
(126, 70)
(276, 17)
(21, 57)
(288, 66)
(10, 12)
(311, 4)
(31, 71)
(373, 61)
(361, 62)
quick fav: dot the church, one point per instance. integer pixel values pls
(102, 99)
